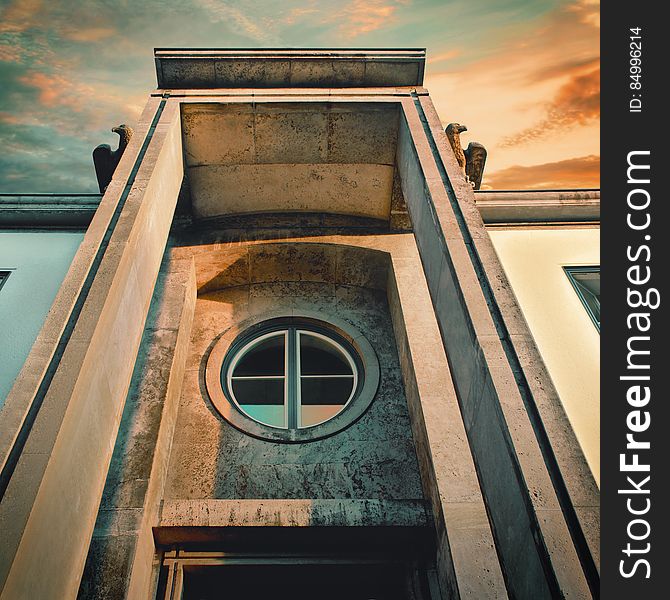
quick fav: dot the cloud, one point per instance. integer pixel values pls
(251, 26)
(580, 172)
(298, 14)
(10, 53)
(576, 103)
(531, 84)
(360, 17)
(39, 158)
(91, 34)
(449, 55)
(56, 90)
(19, 15)
(499, 67)
(588, 11)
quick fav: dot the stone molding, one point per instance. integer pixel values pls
(538, 207)
(274, 68)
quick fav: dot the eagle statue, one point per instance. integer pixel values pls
(471, 160)
(106, 160)
(453, 132)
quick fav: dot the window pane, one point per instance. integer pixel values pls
(261, 399)
(586, 282)
(3, 277)
(319, 357)
(265, 358)
(590, 280)
(313, 415)
(322, 398)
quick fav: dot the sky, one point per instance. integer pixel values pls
(522, 75)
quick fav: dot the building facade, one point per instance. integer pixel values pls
(290, 352)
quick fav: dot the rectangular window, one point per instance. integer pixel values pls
(3, 277)
(586, 281)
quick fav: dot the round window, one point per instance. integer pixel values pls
(297, 378)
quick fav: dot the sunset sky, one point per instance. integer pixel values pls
(523, 75)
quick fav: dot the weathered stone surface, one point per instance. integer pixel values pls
(276, 68)
(61, 513)
(119, 562)
(352, 189)
(502, 437)
(468, 564)
(309, 157)
(293, 513)
(210, 459)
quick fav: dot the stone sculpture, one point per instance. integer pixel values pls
(106, 160)
(453, 132)
(475, 160)
(471, 160)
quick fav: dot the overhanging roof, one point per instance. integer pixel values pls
(193, 68)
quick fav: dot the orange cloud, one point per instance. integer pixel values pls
(588, 11)
(364, 16)
(576, 103)
(58, 91)
(10, 53)
(9, 118)
(92, 34)
(296, 14)
(19, 15)
(564, 69)
(55, 90)
(581, 172)
(436, 58)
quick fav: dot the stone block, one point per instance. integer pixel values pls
(291, 136)
(217, 136)
(272, 73)
(353, 189)
(363, 136)
(292, 262)
(190, 73)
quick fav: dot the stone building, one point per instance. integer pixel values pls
(290, 353)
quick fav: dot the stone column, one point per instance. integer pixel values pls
(537, 552)
(64, 411)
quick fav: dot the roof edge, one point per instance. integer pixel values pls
(195, 68)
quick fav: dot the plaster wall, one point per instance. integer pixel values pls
(567, 339)
(37, 262)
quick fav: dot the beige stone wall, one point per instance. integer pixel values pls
(409, 451)
(567, 339)
(300, 157)
(372, 459)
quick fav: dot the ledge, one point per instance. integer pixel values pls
(541, 206)
(47, 210)
(294, 513)
(184, 68)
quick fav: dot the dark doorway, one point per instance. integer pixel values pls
(300, 581)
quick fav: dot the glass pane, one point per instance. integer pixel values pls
(322, 398)
(320, 357)
(587, 284)
(261, 399)
(325, 390)
(590, 280)
(313, 415)
(265, 358)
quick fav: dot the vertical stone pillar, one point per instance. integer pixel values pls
(537, 552)
(67, 408)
